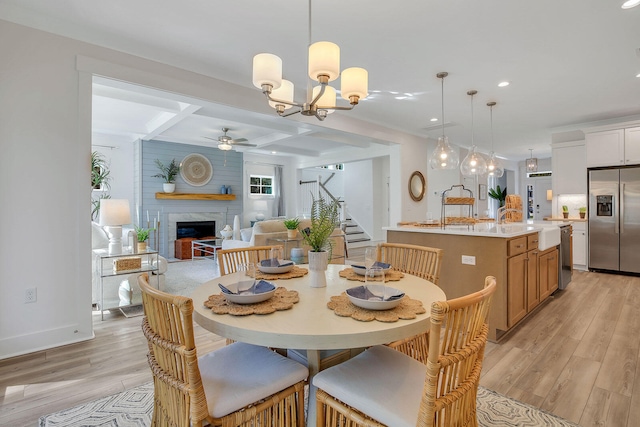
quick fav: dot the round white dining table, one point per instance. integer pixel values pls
(310, 324)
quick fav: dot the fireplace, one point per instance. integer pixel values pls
(213, 221)
(196, 229)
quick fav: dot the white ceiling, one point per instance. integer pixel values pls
(572, 64)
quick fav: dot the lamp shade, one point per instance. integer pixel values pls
(354, 82)
(324, 59)
(444, 157)
(267, 69)
(328, 98)
(549, 195)
(114, 212)
(473, 164)
(224, 146)
(284, 93)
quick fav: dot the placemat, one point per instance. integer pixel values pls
(407, 309)
(291, 274)
(390, 276)
(282, 299)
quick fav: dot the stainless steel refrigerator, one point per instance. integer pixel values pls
(614, 219)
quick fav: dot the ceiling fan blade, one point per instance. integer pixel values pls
(241, 144)
(213, 139)
(239, 140)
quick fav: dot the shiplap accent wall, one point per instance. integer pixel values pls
(231, 174)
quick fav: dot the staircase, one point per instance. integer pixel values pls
(354, 235)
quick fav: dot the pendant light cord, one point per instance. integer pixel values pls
(491, 114)
(442, 103)
(473, 144)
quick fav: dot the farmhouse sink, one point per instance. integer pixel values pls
(549, 236)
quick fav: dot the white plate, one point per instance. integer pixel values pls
(248, 298)
(374, 304)
(277, 270)
(362, 271)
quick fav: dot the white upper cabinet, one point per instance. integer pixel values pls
(569, 165)
(605, 148)
(632, 146)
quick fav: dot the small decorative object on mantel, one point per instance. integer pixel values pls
(196, 170)
(169, 174)
(325, 217)
(565, 211)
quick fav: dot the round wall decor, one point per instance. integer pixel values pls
(196, 170)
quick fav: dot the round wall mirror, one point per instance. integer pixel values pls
(417, 186)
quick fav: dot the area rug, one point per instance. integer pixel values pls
(133, 408)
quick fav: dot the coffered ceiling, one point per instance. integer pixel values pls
(571, 65)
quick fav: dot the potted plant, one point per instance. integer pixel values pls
(292, 227)
(582, 211)
(499, 195)
(325, 217)
(168, 173)
(100, 181)
(143, 236)
(565, 211)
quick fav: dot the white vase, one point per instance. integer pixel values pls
(169, 187)
(318, 262)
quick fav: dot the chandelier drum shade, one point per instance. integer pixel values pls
(443, 157)
(474, 163)
(494, 167)
(323, 67)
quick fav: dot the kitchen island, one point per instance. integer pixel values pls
(522, 257)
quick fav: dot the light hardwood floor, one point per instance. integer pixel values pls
(576, 357)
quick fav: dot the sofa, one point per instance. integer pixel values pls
(119, 290)
(263, 231)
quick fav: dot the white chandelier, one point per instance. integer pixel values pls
(324, 67)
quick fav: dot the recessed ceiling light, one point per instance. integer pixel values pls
(434, 119)
(274, 152)
(638, 75)
(630, 3)
(503, 84)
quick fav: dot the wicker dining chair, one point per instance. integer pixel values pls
(237, 385)
(230, 259)
(383, 387)
(421, 261)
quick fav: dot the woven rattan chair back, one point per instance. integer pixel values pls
(458, 336)
(179, 397)
(230, 259)
(421, 261)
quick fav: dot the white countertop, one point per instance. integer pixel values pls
(549, 231)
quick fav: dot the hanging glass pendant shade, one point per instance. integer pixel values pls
(444, 157)
(474, 163)
(494, 167)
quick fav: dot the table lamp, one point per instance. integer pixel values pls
(261, 207)
(113, 214)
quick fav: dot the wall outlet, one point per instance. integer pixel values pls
(468, 259)
(30, 295)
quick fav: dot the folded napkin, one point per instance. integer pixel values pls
(382, 265)
(272, 262)
(364, 293)
(259, 287)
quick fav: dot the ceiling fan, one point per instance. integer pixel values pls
(226, 143)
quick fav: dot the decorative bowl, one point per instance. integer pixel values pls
(262, 292)
(369, 297)
(288, 265)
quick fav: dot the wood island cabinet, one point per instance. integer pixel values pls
(525, 275)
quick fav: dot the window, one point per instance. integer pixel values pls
(260, 184)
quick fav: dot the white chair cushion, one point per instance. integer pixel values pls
(239, 374)
(380, 382)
